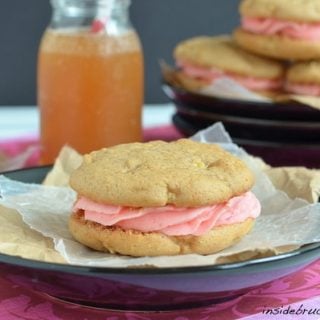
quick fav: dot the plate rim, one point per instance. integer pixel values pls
(290, 124)
(307, 145)
(170, 90)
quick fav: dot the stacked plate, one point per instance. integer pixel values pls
(280, 133)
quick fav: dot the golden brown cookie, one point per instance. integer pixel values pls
(304, 78)
(184, 173)
(304, 72)
(135, 243)
(222, 53)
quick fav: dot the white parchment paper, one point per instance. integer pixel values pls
(227, 88)
(283, 221)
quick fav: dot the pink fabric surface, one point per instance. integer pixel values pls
(15, 146)
(301, 288)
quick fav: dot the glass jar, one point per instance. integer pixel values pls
(90, 77)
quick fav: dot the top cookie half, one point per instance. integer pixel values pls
(223, 53)
(183, 173)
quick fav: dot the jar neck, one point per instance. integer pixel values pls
(83, 13)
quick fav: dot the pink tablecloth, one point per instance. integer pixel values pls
(14, 147)
(298, 291)
(292, 292)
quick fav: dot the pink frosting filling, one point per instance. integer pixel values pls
(171, 220)
(303, 89)
(269, 26)
(212, 74)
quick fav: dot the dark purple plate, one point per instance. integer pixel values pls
(249, 109)
(147, 288)
(257, 129)
(281, 153)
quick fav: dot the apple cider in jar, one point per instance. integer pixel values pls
(90, 78)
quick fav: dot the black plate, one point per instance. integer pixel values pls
(256, 129)
(249, 109)
(275, 153)
(147, 288)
